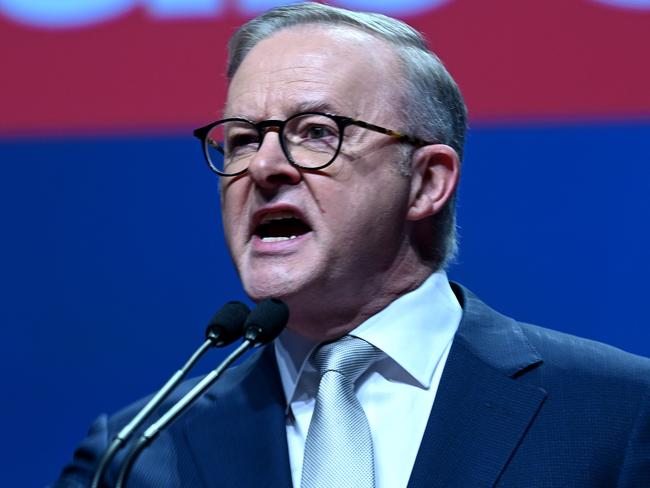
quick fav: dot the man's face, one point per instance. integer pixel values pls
(325, 241)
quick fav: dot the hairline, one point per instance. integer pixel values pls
(400, 64)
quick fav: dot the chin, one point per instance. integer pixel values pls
(274, 285)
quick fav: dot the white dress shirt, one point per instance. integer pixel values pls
(415, 333)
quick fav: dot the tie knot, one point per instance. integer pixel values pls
(348, 355)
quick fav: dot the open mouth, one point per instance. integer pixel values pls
(282, 226)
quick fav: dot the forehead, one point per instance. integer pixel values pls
(318, 67)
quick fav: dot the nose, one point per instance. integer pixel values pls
(270, 168)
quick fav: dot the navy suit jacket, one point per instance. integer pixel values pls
(517, 406)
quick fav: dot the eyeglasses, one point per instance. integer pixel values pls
(309, 140)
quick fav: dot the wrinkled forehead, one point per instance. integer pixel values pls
(328, 32)
(340, 69)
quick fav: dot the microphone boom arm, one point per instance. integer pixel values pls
(126, 432)
(177, 410)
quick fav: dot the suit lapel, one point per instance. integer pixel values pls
(481, 413)
(238, 437)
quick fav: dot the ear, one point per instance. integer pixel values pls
(436, 172)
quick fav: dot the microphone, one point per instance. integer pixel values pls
(264, 324)
(266, 321)
(224, 328)
(226, 325)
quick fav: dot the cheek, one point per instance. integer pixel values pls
(380, 197)
(372, 213)
(231, 212)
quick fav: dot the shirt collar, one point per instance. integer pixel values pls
(413, 331)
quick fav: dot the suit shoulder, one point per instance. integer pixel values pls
(229, 381)
(577, 356)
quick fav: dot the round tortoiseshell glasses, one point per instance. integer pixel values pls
(309, 140)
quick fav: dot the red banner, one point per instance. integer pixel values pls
(133, 71)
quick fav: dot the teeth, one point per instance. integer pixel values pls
(276, 216)
(277, 239)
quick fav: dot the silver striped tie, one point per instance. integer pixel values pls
(338, 449)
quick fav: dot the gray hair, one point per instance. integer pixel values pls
(433, 109)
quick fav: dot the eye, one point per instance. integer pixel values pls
(240, 140)
(312, 128)
(318, 132)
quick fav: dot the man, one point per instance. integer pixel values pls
(342, 139)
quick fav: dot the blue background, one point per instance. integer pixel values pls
(112, 261)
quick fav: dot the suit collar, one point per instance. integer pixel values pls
(480, 415)
(481, 412)
(494, 339)
(251, 449)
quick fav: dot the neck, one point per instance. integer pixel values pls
(319, 319)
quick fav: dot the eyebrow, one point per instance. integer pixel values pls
(305, 106)
(315, 106)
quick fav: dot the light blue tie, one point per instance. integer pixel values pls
(338, 449)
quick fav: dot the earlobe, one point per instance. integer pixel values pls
(436, 171)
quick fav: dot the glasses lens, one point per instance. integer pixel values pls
(311, 140)
(231, 145)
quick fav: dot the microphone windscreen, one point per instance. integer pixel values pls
(266, 321)
(227, 325)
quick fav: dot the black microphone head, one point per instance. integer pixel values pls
(227, 325)
(266, 321)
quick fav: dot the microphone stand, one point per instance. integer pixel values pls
(224, 328)
(155, 401)
(174, 412)
(262, 325)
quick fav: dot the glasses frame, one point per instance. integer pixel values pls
(264, 125)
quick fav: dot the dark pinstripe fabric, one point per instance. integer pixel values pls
(517, 406)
